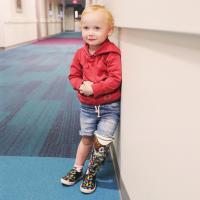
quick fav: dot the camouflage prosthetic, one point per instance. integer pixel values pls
(99, 153)
(98, 156)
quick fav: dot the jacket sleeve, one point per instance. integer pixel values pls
(114, 79)
(75, 75)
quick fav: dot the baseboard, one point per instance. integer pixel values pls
(123, 192)
(18, 45)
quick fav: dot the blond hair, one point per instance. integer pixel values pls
(103, 9)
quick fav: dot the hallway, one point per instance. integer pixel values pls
(155, 153)
(39, 122)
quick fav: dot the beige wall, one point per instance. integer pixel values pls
(160, 115)
(159, 142)
(21, 27)
(54, 21)
(1, 26)
(171, 15)
(42, 18)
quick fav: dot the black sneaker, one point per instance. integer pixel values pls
(89, 183)
(72, 177)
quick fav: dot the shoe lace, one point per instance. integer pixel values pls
(74, 171)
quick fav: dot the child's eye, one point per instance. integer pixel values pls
(97, 27)
(85, 27)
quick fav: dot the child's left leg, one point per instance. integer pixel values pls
(108, 119)
(98, 156)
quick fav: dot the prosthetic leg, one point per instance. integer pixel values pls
(98, 156)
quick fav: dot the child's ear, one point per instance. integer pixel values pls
(110, 31)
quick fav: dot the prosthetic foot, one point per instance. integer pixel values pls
(98, 156)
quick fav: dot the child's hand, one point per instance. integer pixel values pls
(86, 88)
(87, 83)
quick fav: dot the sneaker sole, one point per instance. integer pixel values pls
(86, 191)
(64, 182)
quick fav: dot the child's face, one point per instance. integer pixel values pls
(95, 29)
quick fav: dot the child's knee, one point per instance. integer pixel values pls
(103, 140)
(87, 140)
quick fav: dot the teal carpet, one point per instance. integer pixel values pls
(37, 178)
(68, 35)
(39, 124)
(39, 111)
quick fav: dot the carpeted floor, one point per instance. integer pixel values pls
(67, 35)
(39, 113)
(37, 178)
(39, 123)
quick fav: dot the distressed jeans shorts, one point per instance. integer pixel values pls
(103, 119)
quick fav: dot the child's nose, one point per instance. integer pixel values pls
(91, 32)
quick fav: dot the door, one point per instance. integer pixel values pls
(69, 19)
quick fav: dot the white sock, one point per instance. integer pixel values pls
(79, 168)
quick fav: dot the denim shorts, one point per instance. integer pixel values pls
(103, 119)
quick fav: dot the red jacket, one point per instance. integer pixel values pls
(103, 68)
